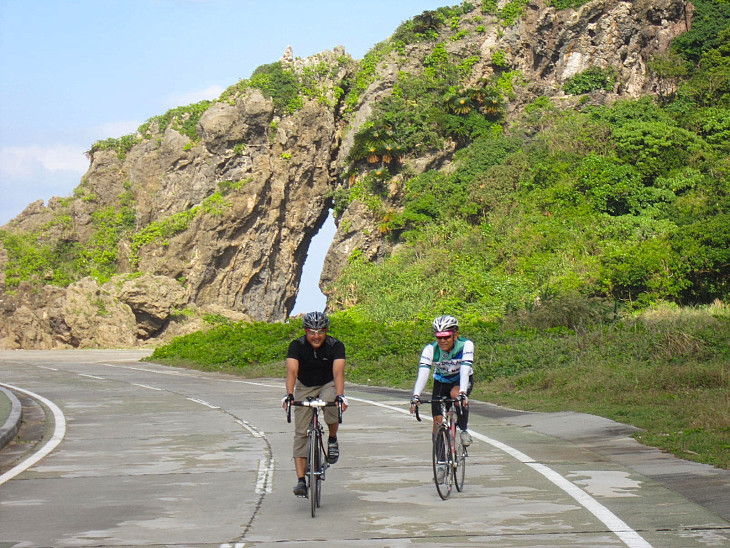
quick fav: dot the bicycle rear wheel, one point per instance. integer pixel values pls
(460, 463)
(442, 463)
(314, 464)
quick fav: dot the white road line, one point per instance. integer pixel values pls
(256, 433)
(266, 476)
(266, 467)
(58, 435)
(148, 387)
(147, 370)
(91, 376)
(618, 527)
(265, 385)
(205, 403)
(629, 537)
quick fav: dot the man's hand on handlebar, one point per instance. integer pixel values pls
(463, 399)
(342, 402)
(415, 401)
(286, 400)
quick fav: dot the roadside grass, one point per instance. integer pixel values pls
(665, 371)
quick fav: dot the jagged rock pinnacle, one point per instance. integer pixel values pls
(288, 57)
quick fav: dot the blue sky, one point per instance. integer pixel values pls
(76, 71)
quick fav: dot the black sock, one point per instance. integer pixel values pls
(302, 480)
(332, 439)
(463, 419)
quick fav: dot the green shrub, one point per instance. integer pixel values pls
(611, 186)
(159, 231)
(512, 11)
(591, 79)
(426, 109)
(182, 119)
(705, 245)
(35, 258)
(110, 225)
(647, 271)
(232, 345)
(712, 17)
(498, 59)
(489, 7)
(657, 148)
(567, 4)
(122, 145)
(709, 85)
(280, 84)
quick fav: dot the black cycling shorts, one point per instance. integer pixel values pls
(442, 389)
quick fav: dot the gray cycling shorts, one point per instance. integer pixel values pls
(303, 415)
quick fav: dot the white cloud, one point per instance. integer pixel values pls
(184, 99)
(22, 162)
(37, 172)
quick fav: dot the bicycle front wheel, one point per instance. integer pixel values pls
(442, 463)
(321, 465)
(315, 460)
(459, 463)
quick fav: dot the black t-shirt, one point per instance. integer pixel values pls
(315, 365)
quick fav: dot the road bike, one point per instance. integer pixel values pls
(448, 453)
(317, 458)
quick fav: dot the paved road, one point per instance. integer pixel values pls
(157, 456)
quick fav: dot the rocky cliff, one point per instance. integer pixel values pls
(174, 226)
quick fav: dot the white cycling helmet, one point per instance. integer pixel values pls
(445, 325)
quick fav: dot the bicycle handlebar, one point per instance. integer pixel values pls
(315, 403)
(437, 400)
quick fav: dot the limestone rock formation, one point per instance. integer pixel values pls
(218, 220)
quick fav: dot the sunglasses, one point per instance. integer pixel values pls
(315, 331)
(444, 337)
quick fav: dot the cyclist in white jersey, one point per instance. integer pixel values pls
(452, 359)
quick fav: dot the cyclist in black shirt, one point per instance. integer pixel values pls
(315, 366)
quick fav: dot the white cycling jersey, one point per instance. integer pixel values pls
(448, 367)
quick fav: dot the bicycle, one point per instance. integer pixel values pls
(448, 453)
(317, 458)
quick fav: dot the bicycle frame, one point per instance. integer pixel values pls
(317, 457)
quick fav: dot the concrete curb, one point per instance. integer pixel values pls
(12, 424)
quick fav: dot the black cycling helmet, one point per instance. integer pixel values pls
(445, 324)
(316, 320)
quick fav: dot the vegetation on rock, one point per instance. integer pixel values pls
(628, 202)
